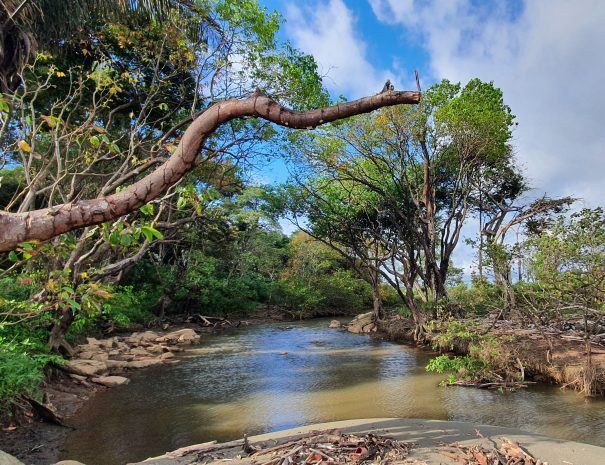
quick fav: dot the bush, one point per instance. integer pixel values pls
(453, 334)
(22, 363)
(123, 309)
(478, 299)
(466, 368)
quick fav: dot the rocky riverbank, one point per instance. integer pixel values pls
(97, 364)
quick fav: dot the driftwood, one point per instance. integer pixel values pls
(334, 447)
(214, 321)
(492, 385)
(509, 453)
(329, 446)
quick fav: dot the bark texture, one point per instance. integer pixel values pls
(44, 224)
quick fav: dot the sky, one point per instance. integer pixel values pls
(548, 57)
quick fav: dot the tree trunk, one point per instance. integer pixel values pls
(56, 341)
(44, 224)
(377, 302)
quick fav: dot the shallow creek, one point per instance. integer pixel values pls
(280, 375)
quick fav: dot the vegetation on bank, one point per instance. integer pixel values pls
(380, 200)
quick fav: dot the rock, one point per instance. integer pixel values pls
(111, 381)
(69, 462)
(182, 336)
(144, 363)
(166, 355)
(156, 349)
(117, 364)
(6, 459)
(102, 356)
(363, 323)
(335, 324)
(77, 377)
(139, 351)
(87, 354)
(124, 357)
(86, 368)
(122, 346)
(147, 336)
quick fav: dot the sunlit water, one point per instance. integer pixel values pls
(244, 383)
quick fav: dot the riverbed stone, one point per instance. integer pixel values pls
(155, 349)
(102, 356)
(69, 462)
(86, 367)
(116, 364)
(363, 323)
(335, 324)
(182, 336)
(144, 363)
(7, 459)
(111, 381)
(139, 351)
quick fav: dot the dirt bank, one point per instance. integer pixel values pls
(96, 365)
(556, 354)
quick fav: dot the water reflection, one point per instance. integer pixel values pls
(278, 376)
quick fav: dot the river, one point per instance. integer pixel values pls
(280, 375)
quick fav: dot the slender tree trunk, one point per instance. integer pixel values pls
(376, 297)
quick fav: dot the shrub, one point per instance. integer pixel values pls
(22, 363)
(466, 368)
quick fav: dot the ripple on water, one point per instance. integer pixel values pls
(243, 383)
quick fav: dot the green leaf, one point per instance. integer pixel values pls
(126, 239)
(94, 141)
(147, 209)
(12, 256)
(114, 238)
(181, 203)
(151, 232)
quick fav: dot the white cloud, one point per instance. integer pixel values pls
(392, 11)
(327, 31)
(547, 58)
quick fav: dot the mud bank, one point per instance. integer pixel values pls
(522, 352)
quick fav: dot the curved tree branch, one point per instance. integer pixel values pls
(41, 225)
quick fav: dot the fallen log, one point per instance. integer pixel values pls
(491, 385)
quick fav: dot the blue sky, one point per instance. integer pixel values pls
(546, 55)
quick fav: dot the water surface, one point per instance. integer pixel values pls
(277, 376)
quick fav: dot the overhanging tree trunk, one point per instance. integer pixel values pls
(41, 225)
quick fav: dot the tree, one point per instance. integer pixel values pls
(504, 214)
(41, 225)
(334, 213)
(414, 172)
(101, 112)
(568, 269)
(25, 23)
